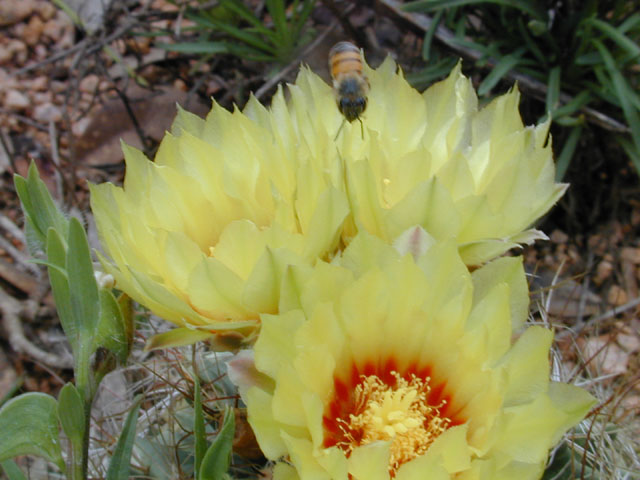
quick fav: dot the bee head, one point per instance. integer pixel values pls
(352, 108)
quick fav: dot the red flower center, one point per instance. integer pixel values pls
(382, 404)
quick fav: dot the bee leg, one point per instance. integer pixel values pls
(361, 127)
(339, 130)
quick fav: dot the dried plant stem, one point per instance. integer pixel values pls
(11, 312)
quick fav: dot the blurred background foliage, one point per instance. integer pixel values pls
(585, 53)
(272, 33)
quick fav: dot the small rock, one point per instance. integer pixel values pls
(603, 271)
(46, 10)
(558, 236)
(60, 30)
(12, 11)
(80, 127)
(631, 255)
(41, 51)
(12, 49)
(41, 97)
(47, 112)
(33, 30)
(16, 100)
(89, 83)
(617, 296)
(604, 356)
(39, 83)
(631, 343)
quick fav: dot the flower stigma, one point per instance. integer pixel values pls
(397, 413)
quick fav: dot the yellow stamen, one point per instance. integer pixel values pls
(399, 414)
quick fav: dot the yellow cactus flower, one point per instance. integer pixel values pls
(388, 367)
(202, 235)
(436, 160)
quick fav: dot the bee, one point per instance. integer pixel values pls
(349, 83)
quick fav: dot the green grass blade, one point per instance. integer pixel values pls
(119, 468)
(218, 457)
(632, 151)
(279, 17)
(623, 91)
(568, 150)
(12, 470)
(532, 8)
(237, 33)
(618, 37)
(630, 23)
(198, 427)
(245, 13)
(575, 104)
(302, 17)
(195, 47)
(531, 43)
(428, 37)
(553, 89)
(504, 65)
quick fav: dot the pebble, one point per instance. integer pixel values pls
(617, 296)
(39, 83)
(13, 48)
(16, 100)
(630, 342)
(558, 236)
(14, 11)
(46, 10)
(33, 30)
(603, 271)
(89, 83)
(42, 97)
(47, 112)
(606, 357)
(631, 254)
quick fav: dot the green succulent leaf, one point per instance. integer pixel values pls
(12, 470)
(119, 467)
(41, 212)
(198, 426)
(29, 426)
(71, 413)
(218, 457)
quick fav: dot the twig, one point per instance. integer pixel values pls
(23, 119)
(12, 228)
(534, 87)
(19, 257)
(22, 281)
(614, 311)
(269, 84)
(8, 151)
(128, 25)
(11, 311)
(585, 289)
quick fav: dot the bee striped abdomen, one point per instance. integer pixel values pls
(350, 85)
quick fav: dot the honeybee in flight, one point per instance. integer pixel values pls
(349, 83)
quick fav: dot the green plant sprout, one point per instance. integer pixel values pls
(99, 328)
(274, 35)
